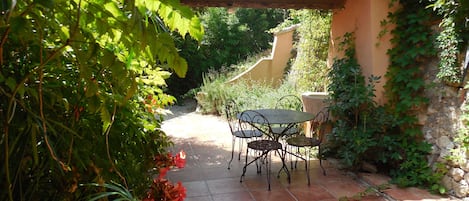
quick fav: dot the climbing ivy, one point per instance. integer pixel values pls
(412, 42)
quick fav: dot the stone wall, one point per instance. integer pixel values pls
(441, 121)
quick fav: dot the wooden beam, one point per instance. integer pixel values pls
(295, 4)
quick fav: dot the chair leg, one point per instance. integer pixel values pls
(232, 151)
(268, 167)
(307, 164)
(320, 161)
(245, 166)
(241, 141)
(299, 154)
(291, 156)
(257, 159)
(258, 162)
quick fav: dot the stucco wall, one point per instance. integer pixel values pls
(363, 17)
(271, 69)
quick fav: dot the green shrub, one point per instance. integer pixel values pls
(309, 68)
(216, 90)
(361, 125)
(80, 94)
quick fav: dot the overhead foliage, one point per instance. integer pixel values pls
(81, 92)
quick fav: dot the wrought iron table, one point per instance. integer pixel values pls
(275, 116)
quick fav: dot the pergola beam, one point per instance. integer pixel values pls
(295, 4)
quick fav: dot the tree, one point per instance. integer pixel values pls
(230, 37)
(81, 92)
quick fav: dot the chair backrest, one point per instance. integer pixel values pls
(319, 124)
(291, 101)
(254, 120)
(231, 110)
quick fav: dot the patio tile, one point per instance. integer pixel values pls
(196, 188)
(373, 198)
(238, 196)
(186, 174)
(374, 179)
(412, 194)
(273, 195)
(340, 188)
(259, 182)
(222, 186)
(221, 173)
(312, 192)
(199, 198)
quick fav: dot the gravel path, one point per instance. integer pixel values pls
(185, 123)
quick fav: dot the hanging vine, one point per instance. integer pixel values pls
(452, 39)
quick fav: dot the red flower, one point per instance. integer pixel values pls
(181, 191)
(163, 172)
(161, 188)
(180, 159)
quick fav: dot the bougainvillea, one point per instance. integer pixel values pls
(161, 188)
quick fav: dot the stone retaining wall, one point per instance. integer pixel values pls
(441, 121)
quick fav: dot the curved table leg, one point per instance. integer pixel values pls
(284, 164)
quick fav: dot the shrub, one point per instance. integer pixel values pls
(360, 124)
(216, 90)
(309, 68)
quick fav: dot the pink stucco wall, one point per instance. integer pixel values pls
(363, 17)
(271, 69)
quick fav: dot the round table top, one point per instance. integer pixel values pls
(279, 116)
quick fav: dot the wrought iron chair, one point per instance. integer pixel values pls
(291, 102)
(318, 127)
(262, 147)
(239, 130)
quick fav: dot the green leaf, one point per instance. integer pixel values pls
(196, 29)
(64, 33)
(108, 58)
(129, 59)
(105, 118)
(94, 103)
(92, 88)
(45, 3)
(11, 83)
(131, 91)
(112, 8)
(179, 65)
(103, 195)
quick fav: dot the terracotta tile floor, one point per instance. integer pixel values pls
(206, 140)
